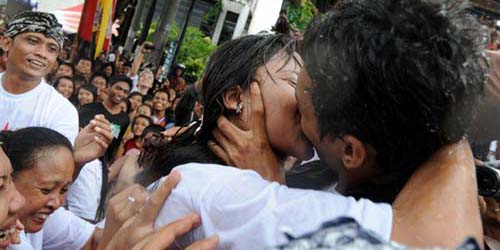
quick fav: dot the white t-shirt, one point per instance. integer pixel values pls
(62, 231)
(135, 80)
(85, 193)
(248, 212)
(42, 106)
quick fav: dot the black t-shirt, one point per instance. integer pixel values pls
(119, 124)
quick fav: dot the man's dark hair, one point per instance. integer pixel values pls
(66, 63)
(100, 74)
(404, 76)
(86, 58)
(79, 78)
(135, 93)
(120, 78)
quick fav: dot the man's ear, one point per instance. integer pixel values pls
(6, 43)
(354, 152)
(232, 98)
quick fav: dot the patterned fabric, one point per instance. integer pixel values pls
(346, 234)
(38, 22)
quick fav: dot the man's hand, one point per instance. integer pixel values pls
(122, 207)
(248, 149)
(93, 140)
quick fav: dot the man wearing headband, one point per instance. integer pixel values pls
(33, 41)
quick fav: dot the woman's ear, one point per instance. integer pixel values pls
(354, 152)
(233, 99)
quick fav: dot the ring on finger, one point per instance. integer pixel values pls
(131, 199)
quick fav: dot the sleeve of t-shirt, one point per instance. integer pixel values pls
(64, 230)
(134, 82)
(85, 193)
(66, 121)
(248, 212)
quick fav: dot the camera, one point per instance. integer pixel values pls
(488, 179)
(149, 46)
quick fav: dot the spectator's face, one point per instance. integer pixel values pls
(65, 87)
(135, 101)
(85, 97)
(44, 186)
(178, 72)
(108, 71)
(118, 92)
(139, 126)
(84, 67)
(99, 83)
(144, 110)
(11, 201)
(63, 55)
(278, 79)
(125, 70)
(64, 70)
(145, 83)
(160, 101)
(32, 55)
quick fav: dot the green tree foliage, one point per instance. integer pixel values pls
(194, 52)
(300, 13)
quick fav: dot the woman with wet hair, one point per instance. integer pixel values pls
(271, 61)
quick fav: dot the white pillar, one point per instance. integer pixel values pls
(219, 26)
(242, 21)
(264, 15)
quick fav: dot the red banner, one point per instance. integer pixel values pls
(87, 22)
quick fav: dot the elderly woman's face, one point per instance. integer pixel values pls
(44, 186)
(277, 84)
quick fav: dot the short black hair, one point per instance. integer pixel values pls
(100, 74)
(86, 58)
(66, 63)
(404, 76)
(135, 93)
(24, 146)
(120, 78)
(80, 78)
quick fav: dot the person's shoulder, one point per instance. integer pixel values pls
(51, 96)
(212, 169)
(219, 177)
(91, 106)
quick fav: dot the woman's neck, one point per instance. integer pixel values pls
(159, 114)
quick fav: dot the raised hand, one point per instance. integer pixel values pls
(248, 149)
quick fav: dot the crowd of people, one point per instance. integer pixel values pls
(358, 136)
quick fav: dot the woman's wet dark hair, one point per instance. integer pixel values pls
(184, 109)
(403, 76)
(233, 64)
(24, 146)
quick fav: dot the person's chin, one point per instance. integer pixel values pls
(33, 226)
